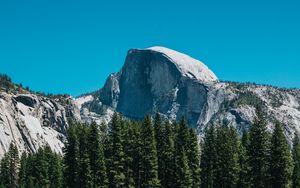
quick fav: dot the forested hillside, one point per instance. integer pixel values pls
(156, 153)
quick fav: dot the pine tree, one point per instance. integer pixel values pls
(296, 159)
(136, 153)
(149, 174)
(167, 179)
(14, 165)
(159, 135)
(9, 167)
(227, 164)
(129, 150)
(40, 169)
(4, 171)
(244, 179)
(193, 152)
(258, 152)
(208, 158)
(280, 159)
(182, 170)
(96, 157)
(71, 163)
(54, 168)
(23, 171)
(84, 169)
(116, 153)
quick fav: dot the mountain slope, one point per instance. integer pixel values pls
(161, 80)
(32, 121)
(152, 80)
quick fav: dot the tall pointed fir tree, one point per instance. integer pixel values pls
(4, 171)
(137, 152)
(159, 137)
(23, 171)
(71, 159)
(129, 150)
(258, 152)
(9, 167)
(227, 161)
(296, 160)
(182, 170)
(149, 171)
(280, 159)
(167, 177)
(193, 152)
(96, 158)
(244, 178)
(84, 168)
(116, 153)
(54, 168)
(208, 158)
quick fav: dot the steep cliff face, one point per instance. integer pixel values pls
(175, 85)
(156, 80)
(152, 80)
(32, 121)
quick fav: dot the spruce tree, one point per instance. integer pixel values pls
(137, 153)
(159, 135)
(182, 174)
(84, 169)
(258, 152)
(4, 171)
(129, 150)
(227, 161)
(96, 158)
(193, 152)
(71, 163)
(280, 159)
(296, 160)
(208, 158)
(167, 178)
(149, 171)
(54, 168)
(23, 171)
(116, 153)
(14, 165)
(244, 178)
(40, 170)
(9, 167)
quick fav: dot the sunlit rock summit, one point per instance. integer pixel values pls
(152, 80)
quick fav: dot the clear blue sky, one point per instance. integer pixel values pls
(61, 46)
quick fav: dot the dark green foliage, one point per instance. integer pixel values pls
(182, 173)
(244, 178)
(258, 153)
(84, 168)
(96, 157)
(9, 167)
(193, 153)
(248, 98)
(167, 171)
(208, 158)
(116, 153)
(149, 171)
(141, 154)
(159, 137)
(71, 158)
(280, 159)
(41, 169)
(23, 171)
(130, 149)
(296, 157)
(227, 162)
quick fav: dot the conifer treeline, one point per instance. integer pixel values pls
(158, 154)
